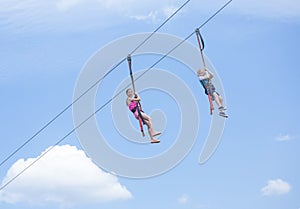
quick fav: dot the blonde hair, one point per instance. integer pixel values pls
(200, 71)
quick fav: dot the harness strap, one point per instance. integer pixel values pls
(140, 118)
(138, 106)
(201, 46)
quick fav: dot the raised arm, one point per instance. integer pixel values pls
(135, 98)
(132, 99)
(209, 74)
(204, 75)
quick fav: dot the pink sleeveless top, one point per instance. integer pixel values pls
(131, 106)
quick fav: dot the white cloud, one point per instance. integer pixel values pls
(283, 137)
(152, 17)
(64, 176)
(276, 187)
(155, 16)
(67, 4)
(183, 199)
(70, 15)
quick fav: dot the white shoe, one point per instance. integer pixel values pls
(222, 108)
(223, 114)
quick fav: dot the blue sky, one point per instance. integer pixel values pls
(253, 46)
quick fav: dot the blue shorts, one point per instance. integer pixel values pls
(212, 90)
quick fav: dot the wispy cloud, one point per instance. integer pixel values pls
(284, 137)
(183, 199)
(151, 17)
(156, 15)
(57, 15)
(68, 15)
(64, 176)
(67, 4)
(276, 187)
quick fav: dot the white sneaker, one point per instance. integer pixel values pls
(223, 114)
(222, 108)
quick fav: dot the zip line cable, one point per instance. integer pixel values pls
(57, 116)
(179, 44)
(84, 93)
(110, 100)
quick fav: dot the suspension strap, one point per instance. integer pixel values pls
(130, 71)
(139, 106)
(141, 121)
(201, 46)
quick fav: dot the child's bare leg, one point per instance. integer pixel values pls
(150, 131)
(218, 99)
(148, 122)
(149, 125)
(221, 100)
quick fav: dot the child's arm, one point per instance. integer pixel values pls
(132, 99)
(205, 76)
(136, 97)
(210, 75)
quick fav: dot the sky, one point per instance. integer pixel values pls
(253, 47)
